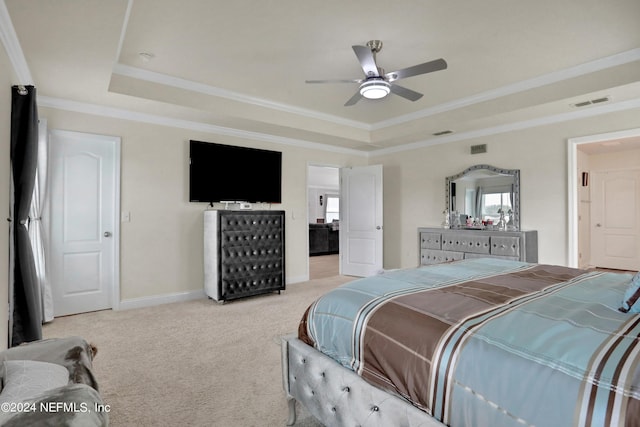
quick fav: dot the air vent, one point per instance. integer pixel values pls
(477, 149)
(592, 101)
(442, 132)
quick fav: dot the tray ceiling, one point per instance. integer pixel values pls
(240, 67)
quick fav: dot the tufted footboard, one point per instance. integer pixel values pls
(337, 396)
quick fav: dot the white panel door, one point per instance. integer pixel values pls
(84, 227)
(615, 219)
(361, 238)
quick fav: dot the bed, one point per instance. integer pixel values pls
(477, 342)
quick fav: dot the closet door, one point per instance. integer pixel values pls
(84, 227)
(615, 219)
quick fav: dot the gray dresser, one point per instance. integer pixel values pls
(439, 245)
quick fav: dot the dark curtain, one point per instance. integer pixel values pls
(27, 312)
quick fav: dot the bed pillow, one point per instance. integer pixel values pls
(631, 300)
(26, 379)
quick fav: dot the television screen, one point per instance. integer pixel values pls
(219, 172)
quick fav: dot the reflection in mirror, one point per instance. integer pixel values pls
(480, 193)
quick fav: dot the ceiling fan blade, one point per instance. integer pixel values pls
(355, 98)
(367, 60)
(335, 81)
(409, 94)
(427, 67)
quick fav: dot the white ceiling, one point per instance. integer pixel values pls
(610, 146)
(240, 67)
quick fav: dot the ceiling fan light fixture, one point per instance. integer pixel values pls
(375, 89)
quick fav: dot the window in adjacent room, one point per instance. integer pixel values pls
(332, 209)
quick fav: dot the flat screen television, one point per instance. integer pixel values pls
(228, 173)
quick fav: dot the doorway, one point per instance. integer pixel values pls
(323, 213)
(84, 205)
(358, 235)
(594, 161)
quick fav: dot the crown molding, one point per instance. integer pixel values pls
(119, 113)
(546, 79)
(515, 126)
(135, 116)
(543, 80)
(12, 46)
(164, 79)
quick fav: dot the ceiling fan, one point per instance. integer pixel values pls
(376, 84)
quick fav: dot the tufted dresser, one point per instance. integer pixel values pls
(439, 245)
(243, 253)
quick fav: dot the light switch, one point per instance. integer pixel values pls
(126, 216)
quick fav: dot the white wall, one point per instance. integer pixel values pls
(161, 247)
(414, 181)
(6, 79)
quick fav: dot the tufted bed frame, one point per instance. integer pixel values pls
(474, 342)
(337, 396)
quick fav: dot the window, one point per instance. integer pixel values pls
(332, 208)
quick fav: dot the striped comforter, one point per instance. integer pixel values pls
(487, 342)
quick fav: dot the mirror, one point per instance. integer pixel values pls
(480, 191)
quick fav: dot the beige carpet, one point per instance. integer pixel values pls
(322, 266)
(196, 363)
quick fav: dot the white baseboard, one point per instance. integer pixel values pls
(160, 299)
(179, 297)
(291, 280)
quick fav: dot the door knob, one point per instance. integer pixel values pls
(598, 225)
(107, 234)
(378, 228)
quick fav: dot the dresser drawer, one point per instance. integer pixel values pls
(471, 256)
(445, 244)
(430, 240)
(250, 222)
(461, 242)
(505, 246)
(434, 256)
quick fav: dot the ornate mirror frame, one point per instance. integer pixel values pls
(515, 173)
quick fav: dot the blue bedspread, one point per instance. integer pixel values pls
(488, 342)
